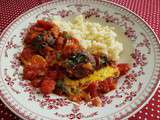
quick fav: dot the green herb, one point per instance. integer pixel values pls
(77, 58)
(38, 43)
(53, 62)
(58, 56)
(75, 90)
(67, 35)
(70, 62)
(39, 37)
(45, 32)
(59, 83)
(103, 60)
(61, 86)
(51, 41)
(81, 58)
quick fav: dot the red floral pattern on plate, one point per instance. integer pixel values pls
(137, 59)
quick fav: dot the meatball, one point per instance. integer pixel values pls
(79, 65)
(101, 60)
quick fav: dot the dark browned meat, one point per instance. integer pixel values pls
(79, 65)
(101, 60)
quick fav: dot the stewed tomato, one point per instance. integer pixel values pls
(26, 55)
(92, 89)
(44, 24)
(47, 86)
(123, 68)
(32, 71)
(69, 49)
(103, 86)
(55, 61)
(36, 82)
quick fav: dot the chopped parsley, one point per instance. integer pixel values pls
(103, 60)
(38, 43)
(61, 86)
(58, 56)
(77, 58)
(53, 62)
(67, 35)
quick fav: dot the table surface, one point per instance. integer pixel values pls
(149, 10)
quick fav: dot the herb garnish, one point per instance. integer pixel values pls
(103, 60)
(38, 43)
(61, 86)
(77, 58)
(58, 56)
(67, 35)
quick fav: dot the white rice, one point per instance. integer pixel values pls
(92, 36)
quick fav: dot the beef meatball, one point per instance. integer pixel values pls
(79, 65)
(101, 60)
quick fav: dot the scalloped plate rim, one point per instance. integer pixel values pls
(123, 7)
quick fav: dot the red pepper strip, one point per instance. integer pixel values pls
(46, 25)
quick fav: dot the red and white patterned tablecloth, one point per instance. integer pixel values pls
(149, 10)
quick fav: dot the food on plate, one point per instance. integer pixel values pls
(92, 36)
(77, 59)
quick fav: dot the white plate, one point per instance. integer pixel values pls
(141, 49)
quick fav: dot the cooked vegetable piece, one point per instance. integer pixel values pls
(30, 74)
(30, 36)
(51, 40)
(96, 102)
(92, 89)
(38, 43)
(55, 31)
(36, 82)
(47, 86)
(70, 49)
(67, 35)
(52, 74)
(58, 56)
(54, 61)
(34, 70)
(101, 60)
(44, 24)
(78, 65)
(51, 58)
(26, 55)
(37, 28)
(60, 85)
(60, 43)
(39, 60)
(103, 86)
(112, 83)
(123, 68)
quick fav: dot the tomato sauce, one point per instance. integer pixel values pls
(44, 60)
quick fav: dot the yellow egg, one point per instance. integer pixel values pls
(98, 75)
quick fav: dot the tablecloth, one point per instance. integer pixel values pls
(149, 10)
